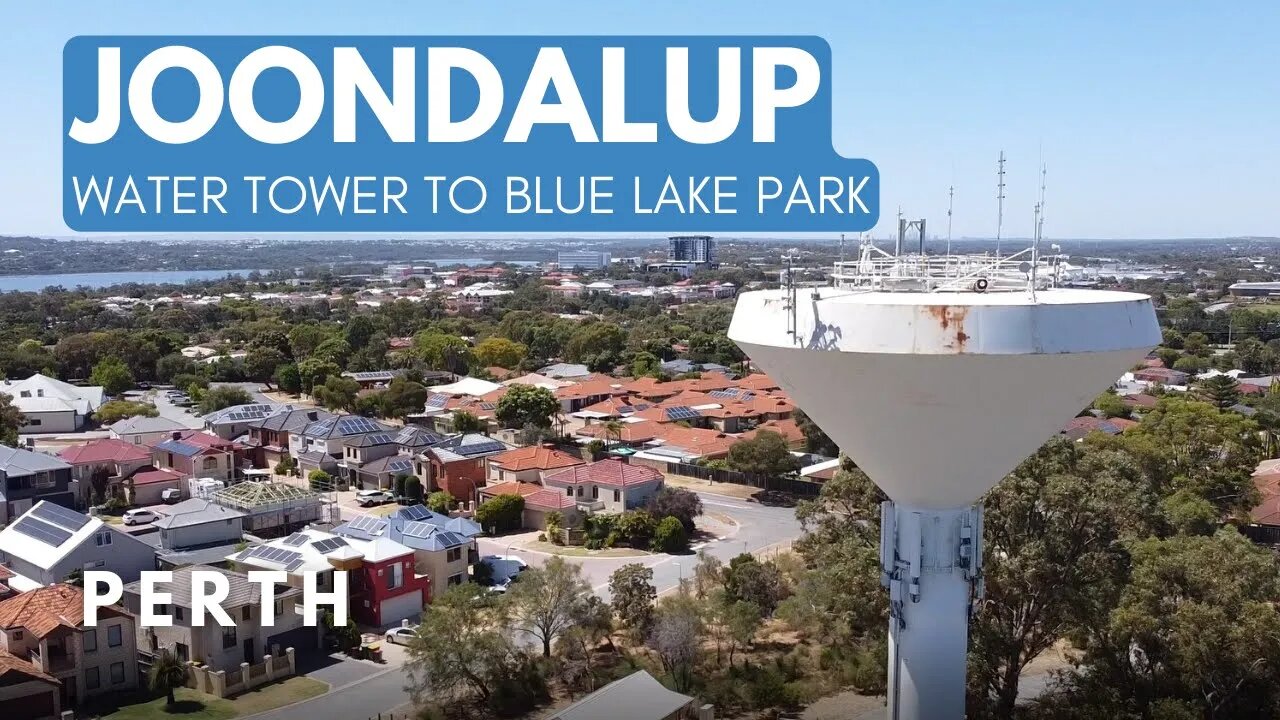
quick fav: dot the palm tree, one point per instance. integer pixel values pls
(612, 429)
(167, 674)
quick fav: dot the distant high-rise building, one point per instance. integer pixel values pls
(585, 259)
(691, 249)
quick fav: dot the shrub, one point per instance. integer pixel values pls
(669, 536)
(595, 447)
(320, 481)
(637, 527)
(441, 502)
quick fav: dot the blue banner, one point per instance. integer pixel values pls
(457, 134)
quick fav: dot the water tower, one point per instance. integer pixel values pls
(937, 375)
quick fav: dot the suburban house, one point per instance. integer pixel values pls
(637, 696)
(140, 430)
(444, 548)
(45, 629)
(1162, 376)
(607, 486)
(52, 406)
(28, 477)
(539, 501)
(327, 437)
(199, 522)
(269, 437)
(49, 542)
(193, 453)
(100, 467)
(218, 647)
(231, 422)
(529, 464)
(382, 585)
(457, 464)
(146, 487)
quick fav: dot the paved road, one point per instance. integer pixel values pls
(361, 698)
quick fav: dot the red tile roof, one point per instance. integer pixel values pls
(153, 475)
(653, 388)
(632, 432)
(612, 472)
(708, 443)
(788, 429)
(18, 666)
(105, 450)
(534, 458)
(535, 496)
(46, 609)
(757, 381)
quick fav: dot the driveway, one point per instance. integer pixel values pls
(172, 412)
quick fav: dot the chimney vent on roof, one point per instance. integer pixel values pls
(177, 435)
(313, 415)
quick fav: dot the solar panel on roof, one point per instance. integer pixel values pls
(294, 565)
(681, 412)
(368, 523)
(480, 447)
(437, 400)
(42, 531)
(60, 516)
(419, 530)
(380, 438)
(295, 540)
(329, 544)
(400, 465)
(415, 512)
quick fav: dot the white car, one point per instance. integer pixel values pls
(401, 635)
(139, 517)
(368, 498)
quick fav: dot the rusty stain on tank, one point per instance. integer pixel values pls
(948, 317)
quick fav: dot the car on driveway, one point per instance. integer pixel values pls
(369, 498)
(401, 635)
(139, 516)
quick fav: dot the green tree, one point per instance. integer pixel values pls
(632, 596)
(500, 352)
(112, 374)
(501, 513)
(287, 378)
(115, 410)
(646, 364)
(765, 454)
(260, 364)
(223, 396)
(1194, 633)
(465, 422)
(314, 371)
(404, 397)
(1054, 540)
(670, 537)
(527, 405)
(441, 351)
(337, 393)
(1111, 406)
(547, 600)
(167, 674)
(749, 580)
(679, 503)
(1221, 391)
(462, 651)
(11, 418)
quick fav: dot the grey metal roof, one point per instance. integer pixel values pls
(196, 511)
(242, 591)
(637, 696)
(140, 424)
(244, 413)
(204, 555)
(16, 462)
(468, 447)
(293, 421)
(565, 370)
(421, 513)
(343, 426)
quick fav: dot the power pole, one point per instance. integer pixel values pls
(951, 201)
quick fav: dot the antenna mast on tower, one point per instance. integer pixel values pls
(999, 200)
(951, 201)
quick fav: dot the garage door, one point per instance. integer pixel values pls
(301, 639)
(38, 705)
(402, 607)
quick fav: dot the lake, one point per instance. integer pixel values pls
(70, 281)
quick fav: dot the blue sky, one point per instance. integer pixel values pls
(1155, 119)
